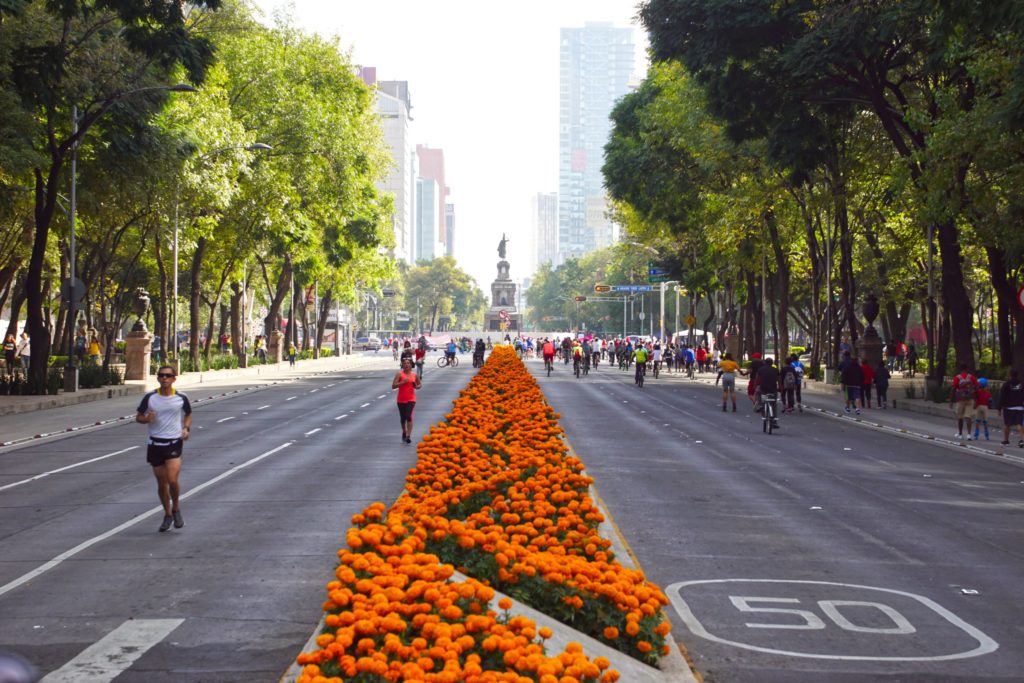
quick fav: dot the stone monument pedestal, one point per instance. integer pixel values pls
(275, 346)
(137, 347)
(732, 343)
(503, 316)
(869, 347)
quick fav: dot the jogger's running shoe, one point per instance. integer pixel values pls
(166, 524)
(179, 521)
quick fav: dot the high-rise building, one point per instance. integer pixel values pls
(394, 107)
(544, 210)
(449, 229)
(596, 64)
(428, 247)
(432, 167)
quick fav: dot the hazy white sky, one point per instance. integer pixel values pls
(483, 79)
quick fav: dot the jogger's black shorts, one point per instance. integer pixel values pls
(159, 451)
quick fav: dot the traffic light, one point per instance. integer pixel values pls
(602, 288)
(580, 298)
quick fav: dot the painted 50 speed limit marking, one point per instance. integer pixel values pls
(826, 620)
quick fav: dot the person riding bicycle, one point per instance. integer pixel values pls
(548, 351)
(420, 354)
(450, 350)
(407, 351)
(689, 358)
(566, 348)
(577, 356)
(766, 385)
(656, 357)
(640, 357)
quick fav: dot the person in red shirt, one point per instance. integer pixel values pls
(420, 355)
(702, 358)
(869, 379)
(961, 399)
(982, 397)
(407, 382)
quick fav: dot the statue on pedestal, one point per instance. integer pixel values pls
(501, 246)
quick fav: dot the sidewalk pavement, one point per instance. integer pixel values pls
(29, 419)
(909, 417)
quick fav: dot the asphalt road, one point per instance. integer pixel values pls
(272, 479)
(827, 552)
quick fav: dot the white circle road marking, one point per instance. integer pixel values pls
(985, 644)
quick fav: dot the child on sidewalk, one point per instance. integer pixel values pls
(982, 398)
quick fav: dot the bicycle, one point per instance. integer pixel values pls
(769, 412)
(576, 367)
(445, 361)
(549, 364)
(586, 365)
(657, 366)
(639, 378)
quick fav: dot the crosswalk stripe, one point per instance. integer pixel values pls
(110, 656)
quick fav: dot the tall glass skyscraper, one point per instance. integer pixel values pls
(596, 63)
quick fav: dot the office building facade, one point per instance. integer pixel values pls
(596, 63)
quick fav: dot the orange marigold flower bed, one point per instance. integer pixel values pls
(496, 495)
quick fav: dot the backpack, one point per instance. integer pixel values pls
(789, 378)
(965, 388)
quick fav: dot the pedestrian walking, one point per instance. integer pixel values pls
(727, 371)
(912, 360)
(787, 386)
(94, 350)
(853, 380)
(961, 399)
(799, 369)
(1011, 407)
(10, 353)
(982, 401)
(169, 416)
(292, 352)
(25, 353)
(407, 382)
(882, 375)
(869, 379)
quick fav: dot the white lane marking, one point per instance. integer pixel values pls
(382, 396)
(225, 419)
(314, 391)
(985, 644)
(292, 398)
(84, 545)
(262, 407)
(68, 467)
(340, 417)
(312, 431)
(364, 405)
(113, 654)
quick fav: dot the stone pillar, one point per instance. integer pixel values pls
(275, 346)
(869, 347)
(137, 347)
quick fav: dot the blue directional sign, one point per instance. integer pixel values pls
(632, 288)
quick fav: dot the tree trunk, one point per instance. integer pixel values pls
(942, 356)
(45, 199)
(955, 300)
(17, 301)
(195, 298)
(162, 314)
(1006, 308)
(321, 323)
(273, 320)
(237, 338)
(782, 291)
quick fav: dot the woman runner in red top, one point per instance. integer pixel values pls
(407, 382)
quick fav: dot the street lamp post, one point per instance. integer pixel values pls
(176, 362)
(664, 286)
